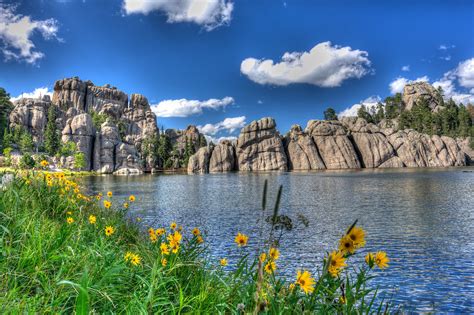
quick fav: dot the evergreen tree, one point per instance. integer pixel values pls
(26, 143)
(202, 141)
(363, 113)
(464, 122)
(393, 106)
(164, 150)
(5, 108)
(379, 114)
(52, 143)
(330, 114)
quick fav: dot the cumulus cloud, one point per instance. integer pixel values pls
(370, 104)
(228, 124)
(324, 65)
(208, 13)
(399, 83)
(37, 93)
(216, 140)
(16, 32)
(406, 68)
(465, 74)
(185, 108)
(446, 47)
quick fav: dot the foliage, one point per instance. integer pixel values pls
(98, 119)
(79, 160)
(72, 253)
(189, 150)
(330, 114)
(7, 152)
(67, 149)
(52, 142)
(5, 108)
(202, 141)
(26, 143)
(27, 161)
(164, 150)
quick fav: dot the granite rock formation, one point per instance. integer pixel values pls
(301, 151)
(223, 158)
(417, 91)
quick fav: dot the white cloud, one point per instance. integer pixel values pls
(16, 32)
(37, 93)
(324, 65)
(406, 68)
(399, 83)
(216, 140)
(260, 102)
(228, 124)
(465, 74)
(208, 13)
(185, 108)
(370, 104)
(446, 47)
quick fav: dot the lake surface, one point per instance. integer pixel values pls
(423, 218)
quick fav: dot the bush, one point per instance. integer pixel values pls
(79, 160)
(98, 119)
(67, 149)
(27, 161)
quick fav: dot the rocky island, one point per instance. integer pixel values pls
(117, 133)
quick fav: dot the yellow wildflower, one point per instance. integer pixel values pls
(173, 225)
(164, 262)
(153, 237)
(241, 239)
(346, 245)
(270, 267)
(70, 220)
(262, 257)
(337, 260)
(151, 230)
(196, 232)
(135, 260)
(160, 231)
(164, 249)
(381, 259)
(107, 204)
(305, 281)
(109, 194)
(357, 235)
(125, 205)
(109, 230)
(175, 238)
(223, 262)
(291, 287)
(69, 212)
(274, 253)
(128, 255)
(369, 259)
(92, 219)
(131, 198)
(200, 240)
(44, 163)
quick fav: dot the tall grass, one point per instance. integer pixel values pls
(50, 265)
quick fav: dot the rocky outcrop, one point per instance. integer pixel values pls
(372, 145)
(223, 158)
(70, 92)
(418, 91)
(260, 148)
(80, 130)
(334, 146)
(141, 121)
(105, 99)
(106, 142)
(199, 162)
(127, 161)
(301, 151)
(465, 146)
(31, 114)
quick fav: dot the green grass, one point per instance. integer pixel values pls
(50, 266)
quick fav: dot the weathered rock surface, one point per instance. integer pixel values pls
(372, 146)
(223, 158)
(464, 145)
(80, 130)
(141, 121)
(417, 91)
(127, 161)
(105, 144)
(301, 151)
(333, 144)
(199, 162)
(70, 92)
(260, 148)
(31, 115)
(99, 96)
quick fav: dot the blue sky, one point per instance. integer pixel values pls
(210, 61)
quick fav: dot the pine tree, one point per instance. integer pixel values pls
(330, 114)
(363, 113)
(26, 143)
(164, 150)
(5, 108)
(52, 143)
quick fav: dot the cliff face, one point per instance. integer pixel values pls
(351, 143)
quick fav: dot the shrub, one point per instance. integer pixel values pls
(79, 160)
(27, 161)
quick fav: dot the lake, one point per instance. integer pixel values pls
(423, 218)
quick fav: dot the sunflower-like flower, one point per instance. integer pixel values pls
(175, 238)
(263, 257)
(274, 253)
(127, 256)
(346, 245)
(109, 230)
(357, 235)
(305, 281)
(223, 262)
(196, 232)
(270, 267)
(131, 198)
(241, 239)
(381, 259)
(135, 260)
(153, 237)
(44, 163)
(164, 262)
(160, 231)
(164, 249)
(107, 204)
(337, 262)
(109, 194)
(92, 219)
(199, 239)
(70, 220)
(173, 225)
(125, 205)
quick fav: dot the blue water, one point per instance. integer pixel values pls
(423, 218)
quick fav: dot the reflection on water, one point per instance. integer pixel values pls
(422, 218)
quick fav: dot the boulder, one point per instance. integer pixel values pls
(372, 145)
(70, 92)
(417, 91)
(30, 114)
(80, 130)
(127, 160)
(199, 162)
(260, 148)
(105, 144)
(465, 146)
(333, 144)
(301, 151)
(223, 158)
